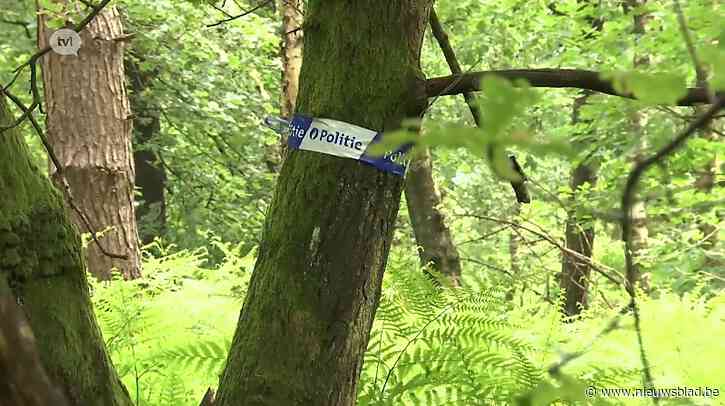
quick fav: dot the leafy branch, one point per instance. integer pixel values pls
(550, 78)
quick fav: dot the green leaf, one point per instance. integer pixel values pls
(715, 58)
(653, 88)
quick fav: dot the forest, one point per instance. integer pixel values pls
(362, 202)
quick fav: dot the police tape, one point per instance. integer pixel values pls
(341, 139)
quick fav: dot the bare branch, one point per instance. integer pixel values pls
(599, 268)
(522, 194)
(27, 113)
(246, 13)
(61, 175)
(554, 78)
(23, 24)
(37, 102)
(628, 198)
(699, 72)
(445, 45)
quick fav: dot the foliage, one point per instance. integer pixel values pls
(225, 75)
(492, 341)
(169, 334)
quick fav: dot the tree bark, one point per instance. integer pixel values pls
(515, 242)
(150, 175)
(316, 285)
(23, 380)
(88, 124)
(575, 272)
(436, 248)
(640, 232)
(291, 54)
(40, 258)
(579, 233)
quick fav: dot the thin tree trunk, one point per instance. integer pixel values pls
(514, 245)
(150, 174)
(291, 55)
(579, 234)
(89, 127)
(292, 41)
(316, 285)
(40, 258)
(640, 232)
(436, 248)
(706, 183)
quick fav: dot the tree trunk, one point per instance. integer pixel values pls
(706, 183)
(640, 232)
(436, 248)
(40, 257)
(23, 380)
(150, 174)
(291, 54)
(89, 127)
(515, 242)
(575, 272)
(316, 285)
(579, 233)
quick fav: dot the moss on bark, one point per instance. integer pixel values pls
(40, 256)
(305, 322)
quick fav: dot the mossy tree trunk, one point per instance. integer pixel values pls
(307, 316)
(89, 126)
(436, 248)
(40, 258)
(23, 380)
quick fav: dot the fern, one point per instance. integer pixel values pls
(205, 356)
(441, 346)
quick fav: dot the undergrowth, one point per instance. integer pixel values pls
(169, 333)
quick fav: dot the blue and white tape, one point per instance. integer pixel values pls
(341, 139)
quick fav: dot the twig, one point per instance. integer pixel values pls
(599, 268)
(628, 198)
(699, 72)
(61, 177)
(566, 358)
(32, 61)
(411, 341)
(232, 18)
(25, 25)
(27, 113)
(445, 45)
(455, 67)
